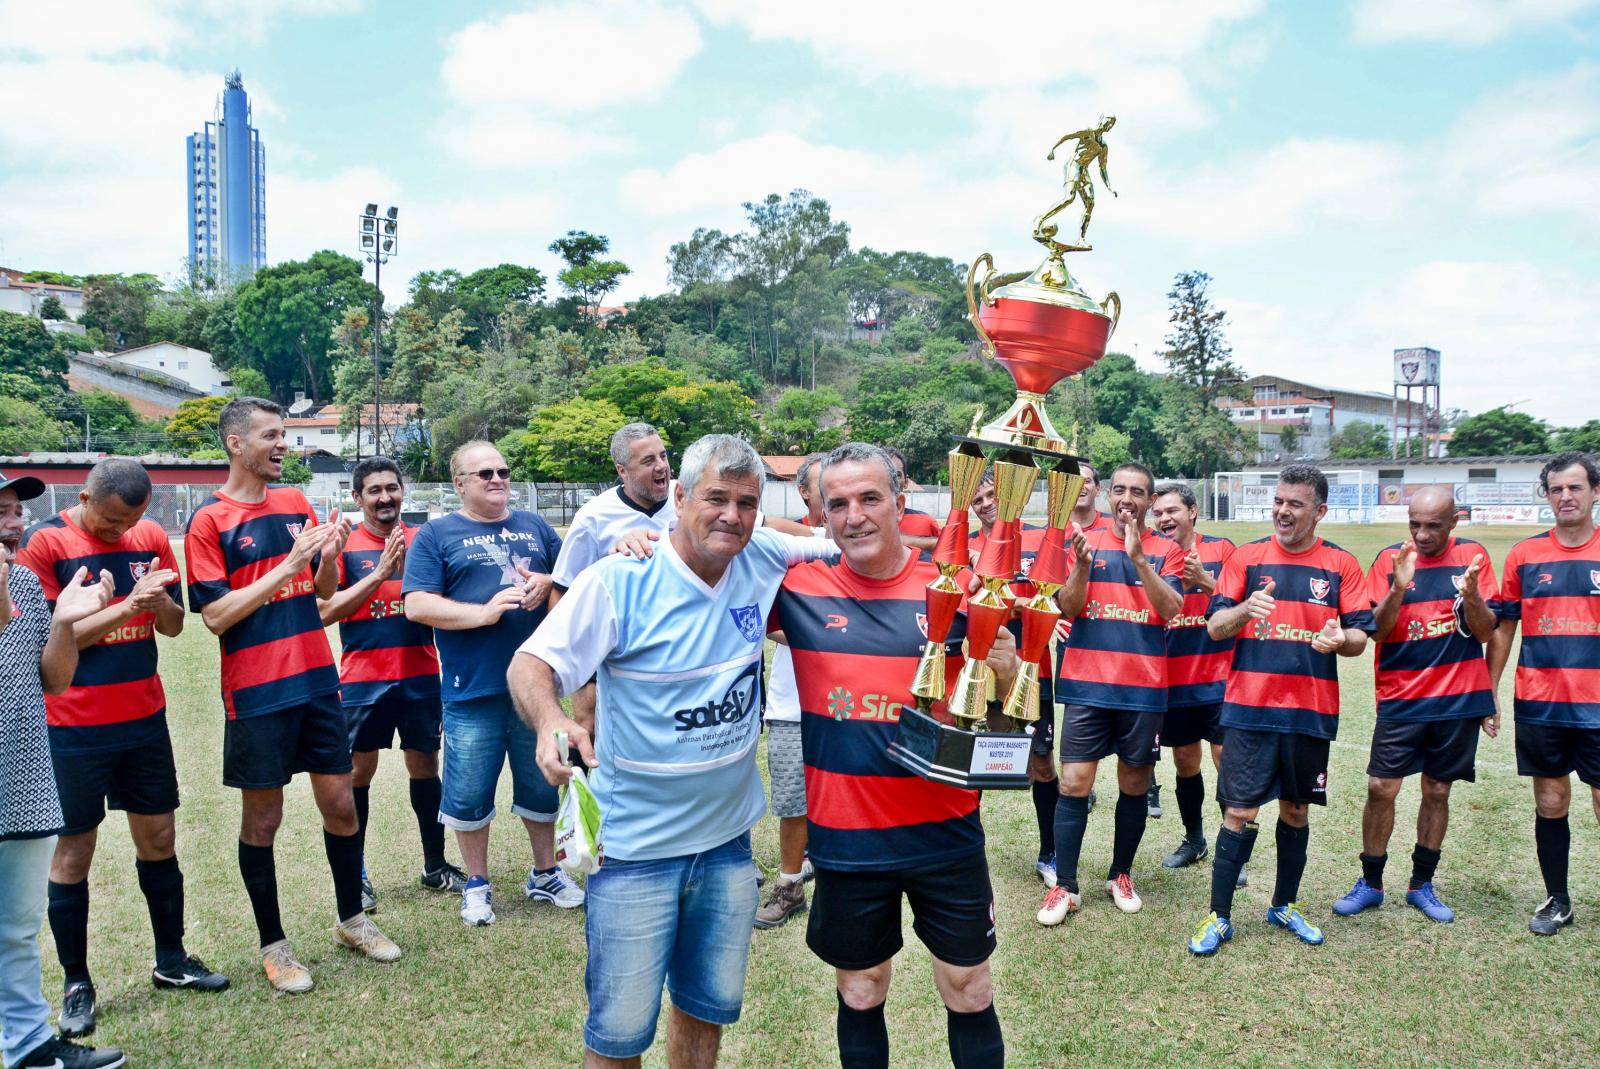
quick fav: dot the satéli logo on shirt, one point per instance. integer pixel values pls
(748, 620)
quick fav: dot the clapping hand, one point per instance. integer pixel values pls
(80, 599)
(1330, 638)
(1260, 603)
(535, 587)
(148, 593)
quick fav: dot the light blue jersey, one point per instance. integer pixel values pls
(679, 672)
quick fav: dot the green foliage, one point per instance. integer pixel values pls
(567, 442)
(113, 426)
(1500, 432)
(25, 427)
(296, 472)
(287, 314)
(50, 308)
(803, 421)
(588, 278)
(1585, 438)
(1200, 438)
(1115, 391)
(118, 306)
(1198, 352)
(481, 297)
(1288, 439)
(485, 400)
(32, 364)
(1107, 447)
(1359, 440)
(194, 425)
(53, 278)
(248, 382)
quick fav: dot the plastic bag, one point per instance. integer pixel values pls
(577, 828)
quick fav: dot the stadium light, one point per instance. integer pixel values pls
(377, 244)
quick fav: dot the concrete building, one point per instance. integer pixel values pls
(1492, 489)
(1315, 412)
(26, 298)
(152, 394)
(227, 205)
(312, 427)
(192, 367)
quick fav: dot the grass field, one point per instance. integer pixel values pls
(1105, 989)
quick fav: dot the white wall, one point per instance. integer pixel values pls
(192, 366)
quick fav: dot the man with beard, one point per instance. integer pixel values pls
(257, 562)
(388, 668)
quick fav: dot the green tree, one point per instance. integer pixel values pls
(784, 234)
(1499, 432)
(108, 423)
(587, 277)
(1107, 447)
(287, 315)
(50, 308)
(1198, 352)
(118, 306)
(248, 382)
(25, 427)
(688, 412)
(1359, 440)
(486, 400)
(1288, 439)
(699, 269)
(633, 387)
(1200, 438)
(1584, 438)
(482, 297)
(1117, 392)
(926, 436)
(194, 425)
(296, 472)
(568, 441)
(803, 421)
(32, 364)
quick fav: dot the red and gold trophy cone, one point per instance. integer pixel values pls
(989, 609)
(1040, 613)
(943, 595)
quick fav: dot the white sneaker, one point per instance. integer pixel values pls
(360, 933)
(556, 887)
(1122, 893)
(476, 909)
(1058, 902)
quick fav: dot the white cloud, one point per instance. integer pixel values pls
(133, 27)
(516, 142)
(1459, 22)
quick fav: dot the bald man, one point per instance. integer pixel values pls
(1436, 601)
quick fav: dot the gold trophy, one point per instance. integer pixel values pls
(1041, 327)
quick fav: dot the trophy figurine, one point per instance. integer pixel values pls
(1041, 327)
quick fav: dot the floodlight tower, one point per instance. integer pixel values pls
(379, 240)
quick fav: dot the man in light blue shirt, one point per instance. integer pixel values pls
(675, 641)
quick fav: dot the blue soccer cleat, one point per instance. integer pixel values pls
(1046, 868)
(1362, 896)
(1290, 917)
(1428, 902)
(1210, 934)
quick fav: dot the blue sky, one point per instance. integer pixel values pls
(1355, 176)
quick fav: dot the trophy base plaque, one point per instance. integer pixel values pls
(981, 760)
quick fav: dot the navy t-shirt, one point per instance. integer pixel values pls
(468, 561)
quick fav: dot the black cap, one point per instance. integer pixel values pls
(26, 486)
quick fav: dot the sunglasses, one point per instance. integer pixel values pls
(490, 473)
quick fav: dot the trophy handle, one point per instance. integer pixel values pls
(1115, 312)
(972, 299)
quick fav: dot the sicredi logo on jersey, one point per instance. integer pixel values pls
(736, 703)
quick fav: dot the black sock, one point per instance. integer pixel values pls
(1045, 794)
(1072, 817)
(344, 861)
(1372, 869)
(1424, 863)
(363, 798)
(975, 1039)
(261, 883)
(1552, 836)
(1191, 793)
(863, 1037)
(162, 884)
(425, 797)
(1222, 810)
(1132, 814)
(1291, 862)
(69, 923)
(1233, 853)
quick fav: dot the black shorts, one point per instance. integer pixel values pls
(855, 916)
(1188, 724)
(373, 727)
(1445, 750)
(1044, 729)
(1552, 750)
(138, 779)
(1089, 734)
(263, 752)
(1265, 766)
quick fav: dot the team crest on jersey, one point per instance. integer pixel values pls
(294, 529)
(1320, 588)
(748, 619)
(1594, 577)
(139, 568)
(922, 623)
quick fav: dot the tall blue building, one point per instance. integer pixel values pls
(227, 204)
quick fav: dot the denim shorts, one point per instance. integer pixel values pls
(683, 921)
(479, 734)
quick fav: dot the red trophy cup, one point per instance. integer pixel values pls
(1040, 612)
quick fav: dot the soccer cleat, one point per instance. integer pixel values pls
(807, 873)
(1210, 934)
(361, 933)
(1289, 916)
(1122, 893)
(444, 878)
(477, 908)
(56, 1053)
(555, 887)
(1428, 902)
(786, 899)
(190, 973)
(285, 973)
(1152, 800)
(1046, 868)
(1550, 917)
(369, 896)
(77, 1011)
(1058, 902)
(1362, 896)
(1186, 853)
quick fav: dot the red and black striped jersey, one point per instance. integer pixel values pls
(1276, 681)
(919, 524)
(856, 642)
(1555, 592)
(1116, 654)
(1430, 667)
(116, 699)
(380, 648)
(278, 656)
(1197, 664)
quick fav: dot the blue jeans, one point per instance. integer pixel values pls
(479, 735)
(685, 921)
(24, 1014)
